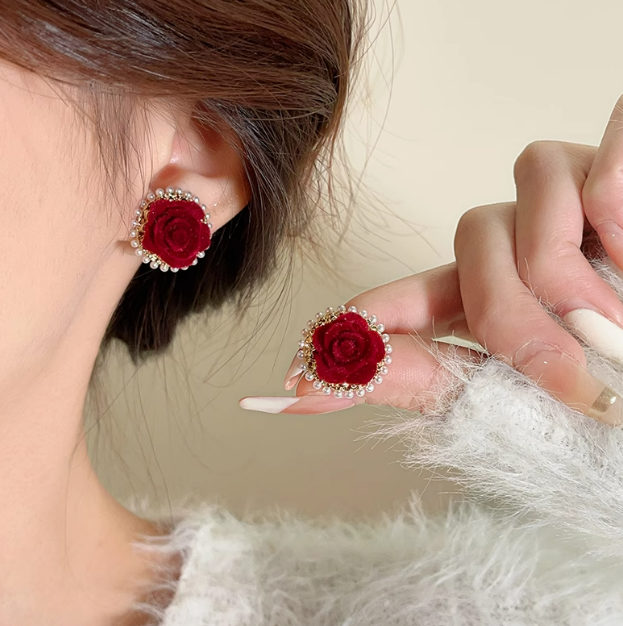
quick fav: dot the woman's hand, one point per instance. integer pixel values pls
(511, 259)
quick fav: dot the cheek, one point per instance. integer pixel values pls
(46, 204)
(49, 224)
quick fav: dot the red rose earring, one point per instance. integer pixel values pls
(172, 230)
(345, 352)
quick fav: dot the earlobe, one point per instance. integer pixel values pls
(198, 184)
(207, 162)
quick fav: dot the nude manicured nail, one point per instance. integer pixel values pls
(597, 331)
(303, 405)
(559, 374)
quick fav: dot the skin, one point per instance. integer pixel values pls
(65, 553)
(65, 549)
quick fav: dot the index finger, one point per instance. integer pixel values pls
(428, 303)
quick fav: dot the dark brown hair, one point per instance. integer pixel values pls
(276, 72)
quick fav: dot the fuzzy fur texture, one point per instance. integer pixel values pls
(541, 543)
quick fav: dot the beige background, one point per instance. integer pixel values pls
(471, 84)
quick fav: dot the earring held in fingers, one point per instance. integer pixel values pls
(344, 352)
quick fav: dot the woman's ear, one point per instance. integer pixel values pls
(207, 162)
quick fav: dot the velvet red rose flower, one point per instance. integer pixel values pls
(175, 231)
(347, 350)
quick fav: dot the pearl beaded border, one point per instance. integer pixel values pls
(306, 353)
(138, 226)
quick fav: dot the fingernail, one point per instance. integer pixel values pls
(559, 374)
(598, 331)
(303, 405)
(293, 374)
(611, 237)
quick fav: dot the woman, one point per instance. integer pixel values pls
(240, 104)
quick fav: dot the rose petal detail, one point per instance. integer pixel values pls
(347, 351)
(174, 230)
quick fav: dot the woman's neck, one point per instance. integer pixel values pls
(66, 555)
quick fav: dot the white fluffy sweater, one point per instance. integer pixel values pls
(540, 543)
